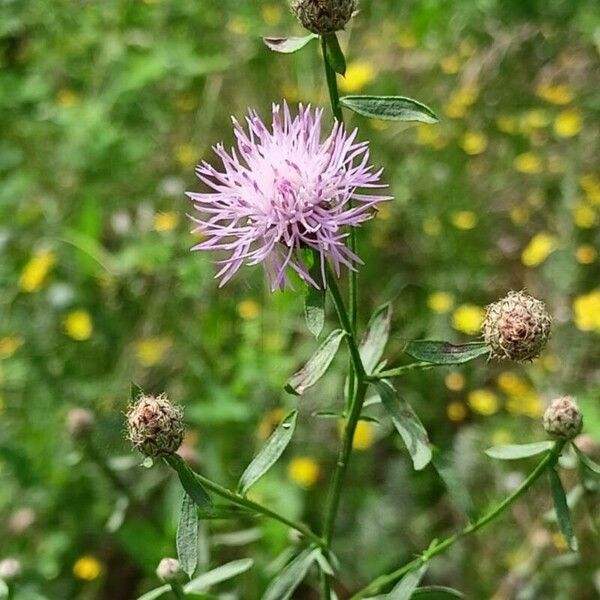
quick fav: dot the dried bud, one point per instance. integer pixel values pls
(169, 571)
(10, 568)
(155, 426)
(80, 422)
(516, 327)
(563, 419)
(323, 16)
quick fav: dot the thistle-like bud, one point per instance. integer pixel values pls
(155, 426)
(169, 571)
(80, 423)
(516, 327)
(10, 568)
(563, 419)
(323, 16)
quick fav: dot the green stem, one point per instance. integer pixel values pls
(178, 591)
(376, 585)
(330, 77)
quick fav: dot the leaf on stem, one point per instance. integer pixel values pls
(187, 536)
(152, 594)
(445, 353)
(407, 423)
(389, 108)
(563, 515)
(189, 482)
(269, 453)
(314, 299)
(375, 338)
(223, 573)
(586, 461)
(405, 589)
(223, 511)
(436, 592)
(283, 586)
(316, 366)
(334, 54)
(288, 45)
(4, 591)
(456, 488)
(516, 451)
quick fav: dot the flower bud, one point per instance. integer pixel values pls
(323, 16)
(10, 568)
(516, 327)
(563, 419)
(80, 423)
(169, 571)
(155, 426)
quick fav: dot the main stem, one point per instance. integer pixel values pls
(376, 585)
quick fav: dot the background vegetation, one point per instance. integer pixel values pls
(105, 108)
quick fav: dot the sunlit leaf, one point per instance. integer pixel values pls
(269, 453)
(314, 299)
(189, 481)
(407, 585)
(586, 461)
(407, 423)
(515, 451)
(153, 594)
(187, 536)
(316, 366)
(284, 584)
(563, 514)
(389, 108)
(375, 337)
(445, 353)
(217, 575)
(288, 45)
(436, 592)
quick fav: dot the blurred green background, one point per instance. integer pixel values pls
(105, 108)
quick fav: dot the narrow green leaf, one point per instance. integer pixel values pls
(445, 353)
(223, 511)
(389, 108)
(586, 461)
(187, 536)
(316, 366)
(283, 586)
(334, 53)
(324, 563)
(563, 515)
(4, 591)
(153, 594)
(269, 453)
(223, 573)
(135, 391)
(516, 451)
(456, 488)
(375, 337)
(407, 423)
(436, 592)
(408, 584)
(288, 45)
(189, 481)
(314, 299)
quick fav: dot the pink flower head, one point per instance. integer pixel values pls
(284, 190)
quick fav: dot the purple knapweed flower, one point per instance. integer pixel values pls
(284, 190)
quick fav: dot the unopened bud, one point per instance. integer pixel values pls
(563, 419)
(516, 327)
(80, 422)
(323, 16)
(155, 426)
(10, 568)
(169, 571)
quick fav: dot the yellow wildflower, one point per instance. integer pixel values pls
(460, 100)
(36, 270)
(9, 345)
(550, 362)
(528, 163)
(538, 249)
(584, 216)
(67, 98)
(591, 186)
(484, 402)
(586, 309)
(87, 568)
(468, 318)
(166, 221)
(507, 124)
(304, 471)
(536, 118)
(586, 254)
(364, 435)
(248, 309)
(456, 411)
(407, 39)
(474, 142)
(450, 65)
(186, 155)
(271, 14)
(358, 75)
(237, 25)
(429, 135)
(455, 381)
(440, 302)
(555, 94)
(269, 422)
(512, 385)
(78, 325)
(519, 214)
(464, 219)
(568, 123)
(500, 437)
(432, 226)
(150, 351)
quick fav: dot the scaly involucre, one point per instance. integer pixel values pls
(282, 191)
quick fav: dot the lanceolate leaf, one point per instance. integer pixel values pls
(270, 452)
(436, 592)
(189, 481)
(223, 573)
(389, 108)
(456, 488)
(283, 586)
(407, 423)
(288, 45)
(316, 366)
(334, 53)
(586, 461)
(151, 595)
(375, 338)
(445, 353)
(314, 299)
(516, 451)
(408, 584)
(561, 507)
(187, 536)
